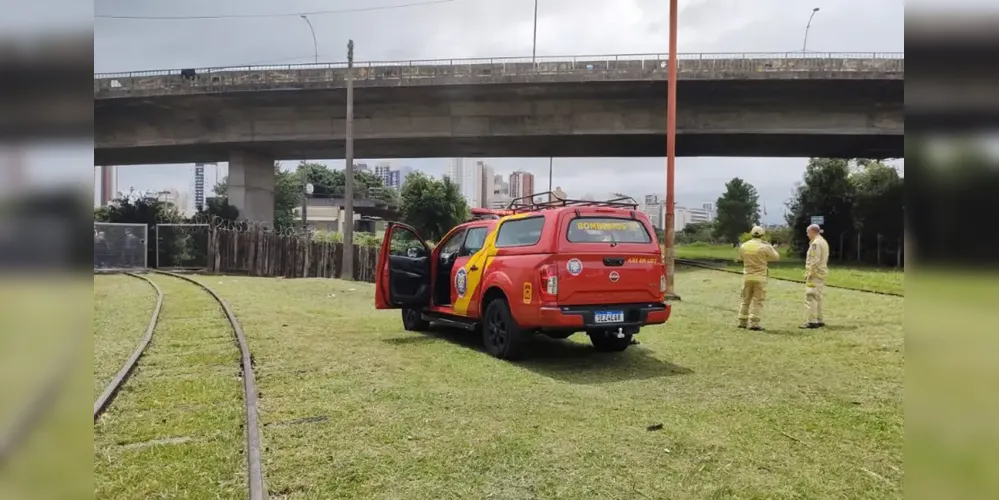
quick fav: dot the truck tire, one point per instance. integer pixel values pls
(605, 341)
(412, 320)
(500, 333)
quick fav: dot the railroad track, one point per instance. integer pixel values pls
(111, 389)
(705, 265)
(257, 490)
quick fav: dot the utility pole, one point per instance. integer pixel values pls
(671, 156)
(534, 45)
(347, 271)
(550, 160)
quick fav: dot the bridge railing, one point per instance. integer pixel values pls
(524, 63)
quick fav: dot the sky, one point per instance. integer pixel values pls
(496, 28)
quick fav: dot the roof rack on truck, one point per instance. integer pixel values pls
(487, 213)
(528, 203)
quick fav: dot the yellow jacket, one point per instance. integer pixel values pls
(817, 259)
(756, 255)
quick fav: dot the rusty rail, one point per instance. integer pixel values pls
(111, 389)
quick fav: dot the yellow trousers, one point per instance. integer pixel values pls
(814, 291)
(754, 293)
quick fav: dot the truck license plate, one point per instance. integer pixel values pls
(609, 317)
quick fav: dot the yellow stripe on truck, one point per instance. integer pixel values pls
(481, 259)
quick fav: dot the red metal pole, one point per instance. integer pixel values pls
(670, 153)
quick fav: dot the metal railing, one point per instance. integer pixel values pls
(540, 61)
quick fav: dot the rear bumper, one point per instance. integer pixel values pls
(582, 317)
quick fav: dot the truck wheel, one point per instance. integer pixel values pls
(500, 333)
(412, 320)
(608, 341)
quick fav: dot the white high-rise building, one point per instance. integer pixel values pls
(468, 177)
(654, 208)
(487, 181)
(453, 171)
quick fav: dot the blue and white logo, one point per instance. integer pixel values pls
(574, 266)
(461, 282)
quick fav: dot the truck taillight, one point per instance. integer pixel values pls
(662, 284)
(549, 283)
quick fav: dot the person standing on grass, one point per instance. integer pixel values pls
(816, 270)
(756, 256)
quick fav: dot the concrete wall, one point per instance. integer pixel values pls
(521, 120)
(485, 71)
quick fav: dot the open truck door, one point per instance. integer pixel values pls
(403, 273)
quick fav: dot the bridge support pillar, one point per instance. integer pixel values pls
(251, 186)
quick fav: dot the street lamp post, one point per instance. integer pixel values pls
(804, 44)
(315, 46)
(534, 44)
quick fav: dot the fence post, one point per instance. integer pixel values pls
(898, 252)
(156, 230)
(879, 250)
(858, 248)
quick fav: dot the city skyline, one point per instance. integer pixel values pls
(604, 185)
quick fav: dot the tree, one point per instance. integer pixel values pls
(218, 208)
(738, 210)
(696, 232)
(878, 205)
(826, 190)
(431, 206)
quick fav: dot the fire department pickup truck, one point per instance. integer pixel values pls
(554, 268)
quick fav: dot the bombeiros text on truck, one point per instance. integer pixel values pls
(553, 268)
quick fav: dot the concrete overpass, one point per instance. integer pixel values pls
(840, 105)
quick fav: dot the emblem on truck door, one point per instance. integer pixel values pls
(614, 276)
(574, 266)
(461, 282)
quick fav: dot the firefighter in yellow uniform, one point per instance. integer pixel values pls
(755, 255)
(816, 270)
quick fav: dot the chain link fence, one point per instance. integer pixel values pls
(120, 246)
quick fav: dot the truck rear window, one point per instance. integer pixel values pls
(607, 230)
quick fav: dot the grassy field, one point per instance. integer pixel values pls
(887, 280)
(176, 428)
(42, 334)
(122, 307)
(354, 407)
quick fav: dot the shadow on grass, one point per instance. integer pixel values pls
(563, 360)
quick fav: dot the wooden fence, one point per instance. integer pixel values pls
(263, 253)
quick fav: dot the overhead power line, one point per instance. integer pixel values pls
(286, 14)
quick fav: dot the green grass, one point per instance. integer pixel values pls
(122, 309)
(878, 279)
(176, 428)
(354, 407)
(42, 319)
